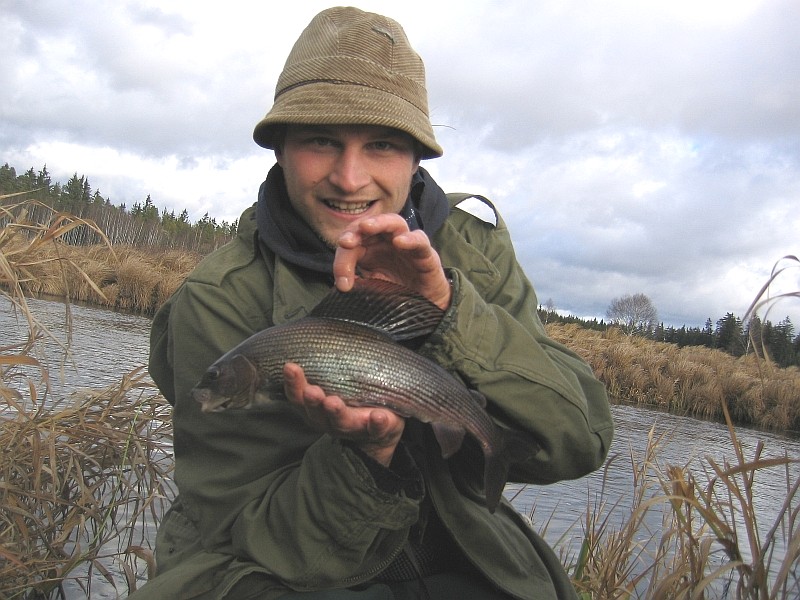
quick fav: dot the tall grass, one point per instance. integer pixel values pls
(712, 543)
(82, 478)
(38, 261)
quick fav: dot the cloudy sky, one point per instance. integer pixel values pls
(632, 145)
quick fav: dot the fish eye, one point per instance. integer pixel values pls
(213, 373)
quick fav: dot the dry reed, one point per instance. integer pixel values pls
(711, 543)
(78, 483)
(79, 480)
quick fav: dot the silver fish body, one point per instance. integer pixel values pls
(365, 366)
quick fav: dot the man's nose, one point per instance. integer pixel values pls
(350, 172)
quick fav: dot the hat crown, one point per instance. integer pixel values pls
(346, 45)
(352, 67)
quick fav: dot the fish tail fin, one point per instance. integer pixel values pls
(515, 446)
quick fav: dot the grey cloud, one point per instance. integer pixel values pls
(553, 76)
(106, 82)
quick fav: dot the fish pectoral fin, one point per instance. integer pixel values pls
(450, 437)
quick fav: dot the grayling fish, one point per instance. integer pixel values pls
(350, 346)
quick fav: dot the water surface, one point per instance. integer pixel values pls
(106, 344)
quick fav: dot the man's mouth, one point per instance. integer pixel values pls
(350, 208)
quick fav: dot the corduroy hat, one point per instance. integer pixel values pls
(350, 67)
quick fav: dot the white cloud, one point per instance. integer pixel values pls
(630, 147)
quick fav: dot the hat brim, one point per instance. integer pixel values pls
(327, 103)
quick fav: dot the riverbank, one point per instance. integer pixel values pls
(122, 277)
(693, 381)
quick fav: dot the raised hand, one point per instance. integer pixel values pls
(384, 247)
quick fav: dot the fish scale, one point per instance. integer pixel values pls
(365, 367)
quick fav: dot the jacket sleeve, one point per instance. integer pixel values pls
(258, 484)
(493, 339)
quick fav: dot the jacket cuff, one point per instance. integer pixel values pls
(401, 476)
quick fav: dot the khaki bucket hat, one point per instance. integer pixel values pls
(351, 67)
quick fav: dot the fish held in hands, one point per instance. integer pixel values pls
(352, 346)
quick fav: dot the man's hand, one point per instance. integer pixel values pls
(376, 431)
(383, 247)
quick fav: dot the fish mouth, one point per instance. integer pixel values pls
(211, 402)
(349, 208)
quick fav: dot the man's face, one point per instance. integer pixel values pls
(337, 174)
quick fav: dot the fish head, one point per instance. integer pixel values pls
(231, 382)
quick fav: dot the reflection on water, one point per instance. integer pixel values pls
(685, 441)
(103, 346)
(107, 344)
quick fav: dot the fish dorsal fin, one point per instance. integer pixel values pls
(393, 308)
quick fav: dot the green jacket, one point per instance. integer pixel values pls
(262, 493)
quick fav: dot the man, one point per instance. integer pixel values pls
(314, 499)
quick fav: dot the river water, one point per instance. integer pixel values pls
(107, 344)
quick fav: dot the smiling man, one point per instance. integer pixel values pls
(314, 499)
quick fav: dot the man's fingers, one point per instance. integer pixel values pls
(293, 382)
(363, 241)
(380, 424)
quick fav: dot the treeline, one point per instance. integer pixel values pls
(728, 334)
(143, 224)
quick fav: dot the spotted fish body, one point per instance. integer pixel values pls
(350, 346)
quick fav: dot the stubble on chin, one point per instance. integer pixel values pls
(329, 243)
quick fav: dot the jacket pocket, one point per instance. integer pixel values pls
(185, 570)
(176, 540)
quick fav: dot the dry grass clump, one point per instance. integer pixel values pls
(711, 543)
(78, 482)
(125, 278)
(693, 381)
(142, 281)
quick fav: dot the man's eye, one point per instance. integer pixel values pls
(316, 142)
